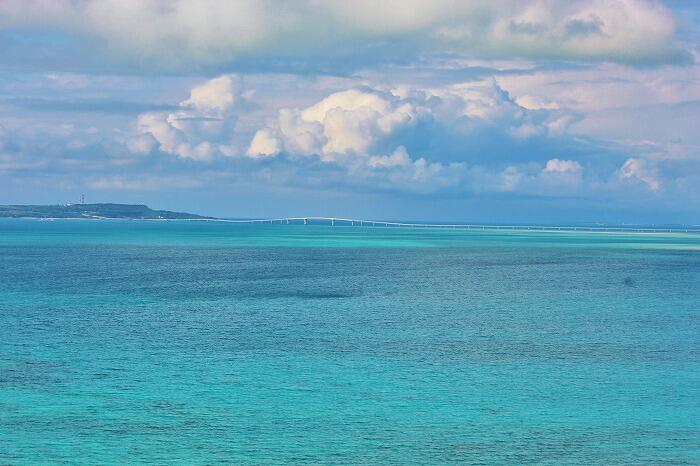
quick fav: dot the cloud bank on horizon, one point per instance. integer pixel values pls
(494, 110)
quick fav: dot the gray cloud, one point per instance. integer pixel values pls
(182, 34)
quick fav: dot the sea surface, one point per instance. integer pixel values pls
(201, 343)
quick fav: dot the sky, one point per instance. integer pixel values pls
(486, 110)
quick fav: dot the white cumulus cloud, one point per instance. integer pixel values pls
(199, 129)
(368, 131)
(264, 144)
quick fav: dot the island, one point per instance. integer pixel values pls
(94, 211)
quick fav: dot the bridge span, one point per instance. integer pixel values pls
(338, 221)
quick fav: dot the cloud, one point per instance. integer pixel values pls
(201, 127)
(363, 121)
(341, 126)
(604, 86)
(456, 139)
(633, 107)
(264, 144)
(640, 169)
(142, 144)
(186, 33)
(353, 121)
(418, 139)
(593, 29)
(399, 158)
(346, 123)
(562, 166)
(556, 178)
(213, 98)
(421, 138)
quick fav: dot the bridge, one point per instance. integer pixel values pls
(336, 221)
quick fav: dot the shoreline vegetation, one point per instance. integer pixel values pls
(94, 211)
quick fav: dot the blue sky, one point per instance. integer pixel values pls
(501, 111)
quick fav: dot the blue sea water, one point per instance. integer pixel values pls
(200, 342)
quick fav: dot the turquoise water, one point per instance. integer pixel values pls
(199, 342)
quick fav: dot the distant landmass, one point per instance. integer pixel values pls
(125, 211)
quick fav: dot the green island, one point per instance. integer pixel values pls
(94, 211)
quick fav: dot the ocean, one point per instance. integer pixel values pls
(186, 342)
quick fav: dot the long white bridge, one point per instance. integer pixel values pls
(336, 221)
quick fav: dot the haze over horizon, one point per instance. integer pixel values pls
(490, 111)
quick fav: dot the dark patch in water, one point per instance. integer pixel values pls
(325, 294)
(281, 293)
(31, 374)
(628, 281)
